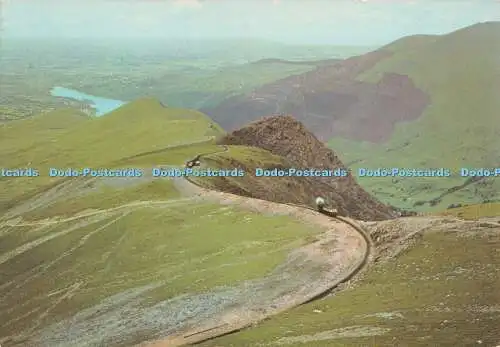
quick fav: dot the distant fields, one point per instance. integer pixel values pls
(194, 75)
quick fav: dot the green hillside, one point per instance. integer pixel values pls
(77, 272)
(410, 43)
(117, 261)
(460, 72)
(20, 135)
(436, 294)
(474, 212)
(140, 126)
(72, 250)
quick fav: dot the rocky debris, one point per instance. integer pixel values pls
(286, 137)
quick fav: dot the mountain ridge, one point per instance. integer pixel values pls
(287, 138)
(420, 102)
(331, 102)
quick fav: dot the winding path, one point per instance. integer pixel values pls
(239, 323)
(233, 321)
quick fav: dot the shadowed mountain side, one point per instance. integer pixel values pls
(330, 102)
(286, 137)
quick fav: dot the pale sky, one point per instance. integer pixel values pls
(343, 22)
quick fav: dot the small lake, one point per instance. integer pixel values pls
(101, 105)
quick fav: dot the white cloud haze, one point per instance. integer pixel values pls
(356, 22)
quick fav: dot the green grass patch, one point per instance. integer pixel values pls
(251, 155)
(458, 129)
(138, 127)
(475, 211)
(22, 135)
(443, 292)
(176, 156)
(246, 159)
(103, 197)
(181, 250)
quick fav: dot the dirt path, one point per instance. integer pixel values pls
(341, 251)
(17, 222)
(345, 248)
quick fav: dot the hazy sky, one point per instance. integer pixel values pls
(353, 22)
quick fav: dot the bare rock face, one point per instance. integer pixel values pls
(330, 101)
(288, 138)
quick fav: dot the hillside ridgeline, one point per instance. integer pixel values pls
(285, 137)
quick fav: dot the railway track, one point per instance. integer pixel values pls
(210, 333)
(226, 329)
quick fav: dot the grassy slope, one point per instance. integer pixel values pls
(443, 292)
(177, 250)
(475, 211)
(22, 135)
(459, 129)
(248, 159)
(140, 126)
(68, 266)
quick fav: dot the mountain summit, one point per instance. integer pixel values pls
(286, 137)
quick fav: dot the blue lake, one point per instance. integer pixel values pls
(101, 105)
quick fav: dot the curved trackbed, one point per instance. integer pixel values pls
(203, 335)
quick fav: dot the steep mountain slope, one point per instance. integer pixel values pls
(464, 110)
(120, 248)
(77, 255)
(420, 102)
(287, 138)
(330, 102)
(460, 129)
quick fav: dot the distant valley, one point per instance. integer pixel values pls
(391, 107)
(400, 106)
(188, 74)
